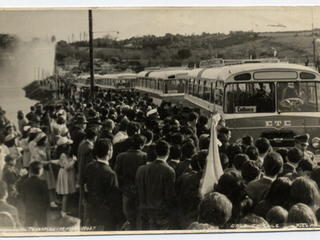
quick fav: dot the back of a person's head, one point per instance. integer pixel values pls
(175, 152)
(305, 190)
(32, 108)
(272, 163)
(162, 148)
(277, 216)
(188, 150)
(224, 130)
(124, 125)
(263, 145)
(250, 171)
(91, 133)
(239, 160)
(315, 175)
(306, 164)
(224, 160)
(198, 161)
(252, 152)
(232, 150)
(186, 130)
(148, 134)
(166, 129)
(108, 124)
(133, 128)
(295, 155)
(283, 152)
(102, 147)
(279, 191)
(215, 209)
(203, 120)
(301, 214)
(193, 116)
(253, 221)
(247, 140)
(3, 189)
(35, 167)
(230, 184)
(204, 143)
(137, 140)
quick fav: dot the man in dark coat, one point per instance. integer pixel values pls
(35, 196)
(126, 167)
(102, 190)
(108, 126)
(78, 134)
(293, 158)
(162, 202)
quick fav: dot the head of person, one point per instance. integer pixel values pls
(199, 160)
(226, 131)
(215, 209)
(233, 150)
(239, 160)
(149, 136)
(176, 139)
(305, 167)
(81, 122)
(10, 140)
(277, 216)
(252, 152)
(186, 131)
(63, 147)
(283, 152)
(162, 149)
(41, 139)
(250, 171)
(193, 118)
(188, 150)
(103, 149)
(272, 164)
(20, 115)
(203, 120)
(175, 152)
(133, 128)
(279, 191)
(231, 185)
(247, 140)
(252, 221)
(301, 214)
(263, 145)
(124, 125)
(302, 141)
(137, 141)
(224, 161)
(294, 155)
(305, 190)
(92, 134)
(108, 125)
(36, 168)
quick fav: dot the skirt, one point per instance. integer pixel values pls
(48, 176)
(66, 181)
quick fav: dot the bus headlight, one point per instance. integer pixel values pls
(315, 142)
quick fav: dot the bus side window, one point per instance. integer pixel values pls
(212, 87)
(229, 101)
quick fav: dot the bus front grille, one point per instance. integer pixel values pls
(279, 139)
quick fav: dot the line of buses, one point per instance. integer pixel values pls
(257, 97)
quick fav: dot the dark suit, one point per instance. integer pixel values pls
(35, 196)
(181, 167)
(258, 189)
(126, 168)
(142, 220)
(118, 148)
(162, 202)
(103, 196)
(6, 207)
(77, 136)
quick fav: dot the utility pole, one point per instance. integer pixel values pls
(91, 57)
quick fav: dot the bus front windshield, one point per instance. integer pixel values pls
(298, 96)
(251, 97)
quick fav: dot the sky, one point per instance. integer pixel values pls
(122, 23)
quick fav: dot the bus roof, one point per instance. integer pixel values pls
(110, 76)
(225, 72)
(127, 75)
(169, 74)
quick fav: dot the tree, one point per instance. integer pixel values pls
(184, 53)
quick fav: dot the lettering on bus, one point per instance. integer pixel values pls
(245, 109)
(278, 123)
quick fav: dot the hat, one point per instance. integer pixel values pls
(10, 137)
(20, 112)
(95, 120)
(152, 112)
(8, 158)
(39, 136)
(35, 130)
(81, 120)
(64, 140)
(302, 138)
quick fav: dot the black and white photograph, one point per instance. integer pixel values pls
(159, 120)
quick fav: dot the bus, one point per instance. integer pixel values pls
(273, 100)
(219, 62)
(162, 84)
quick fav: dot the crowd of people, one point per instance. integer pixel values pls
(137, 166)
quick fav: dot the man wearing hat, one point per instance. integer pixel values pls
(302, 142)
(95, 122)
(78, 134)
(22, 120)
